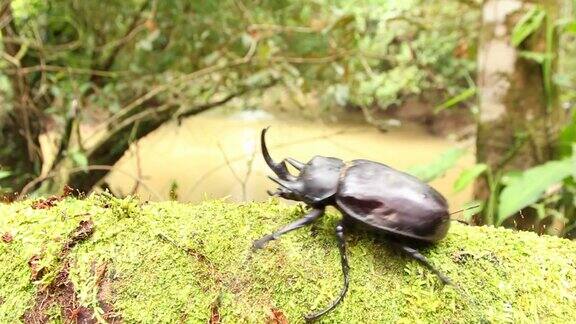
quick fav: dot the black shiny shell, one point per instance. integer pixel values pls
(391, 201)
(319, 177)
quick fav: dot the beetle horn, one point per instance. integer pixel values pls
(296, 164)
(279, 168)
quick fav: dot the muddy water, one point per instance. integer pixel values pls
(216, 155)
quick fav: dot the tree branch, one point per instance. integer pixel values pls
(134, 105)
(30, 185)
(23, 106)
(112, 147)
(55, 68)
(133, 29)
(68, 128)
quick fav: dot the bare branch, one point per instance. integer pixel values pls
(68, 128)
(128, 109)
(309, 60)
(249, 166)
(52, 174)
(38, 46)
(241, 181)
(138, 167)
(133, 29)
(71, 70)
(24, 108)
(11, 59)
(243, 156)
(282, 29)
(111, 148)
(228, 164)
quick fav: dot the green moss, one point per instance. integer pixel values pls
(169, 262)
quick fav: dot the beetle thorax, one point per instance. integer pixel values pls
(319, 178)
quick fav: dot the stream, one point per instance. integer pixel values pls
(215, 155)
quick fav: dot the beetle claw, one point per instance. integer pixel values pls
(261, 243)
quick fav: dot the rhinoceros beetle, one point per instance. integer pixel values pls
(370, 195)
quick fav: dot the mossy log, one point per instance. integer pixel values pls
(104, 259)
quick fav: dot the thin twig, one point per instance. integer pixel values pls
(282, 29)
(242, 181)
(138, 165)
(12, 60)
(228, 164)
(183, 79)
(245, 12)
(133, 29)
(307, 60)
(56, 68)
(52, 174)
(208, 173)
(249, 165)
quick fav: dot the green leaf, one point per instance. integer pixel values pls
(540, 210)
(79, 158)
(527, 25)
(438, 167)
(510, 176)
(530, 186)
(472, 208)
(574, 161)
(5, 174)
(468, 176)
(537, 57)
(567, 139)
(570, 27)
(464, 95)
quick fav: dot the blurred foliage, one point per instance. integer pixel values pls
(437, 168)
(124, 61)
(360, 52)
(545, 193)
(541, 198)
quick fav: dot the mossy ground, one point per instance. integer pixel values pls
(171, 262)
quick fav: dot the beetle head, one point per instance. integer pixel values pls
(290, 187)
(316, 182)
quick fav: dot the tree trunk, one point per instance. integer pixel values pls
(514, 130)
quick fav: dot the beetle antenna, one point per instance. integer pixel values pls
(461, 210)
(465, 209)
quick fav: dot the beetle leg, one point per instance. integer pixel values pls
(278, 192)
(423, 260)
(286, 184)
(345, 272)
(307, 219)
(296, 164)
